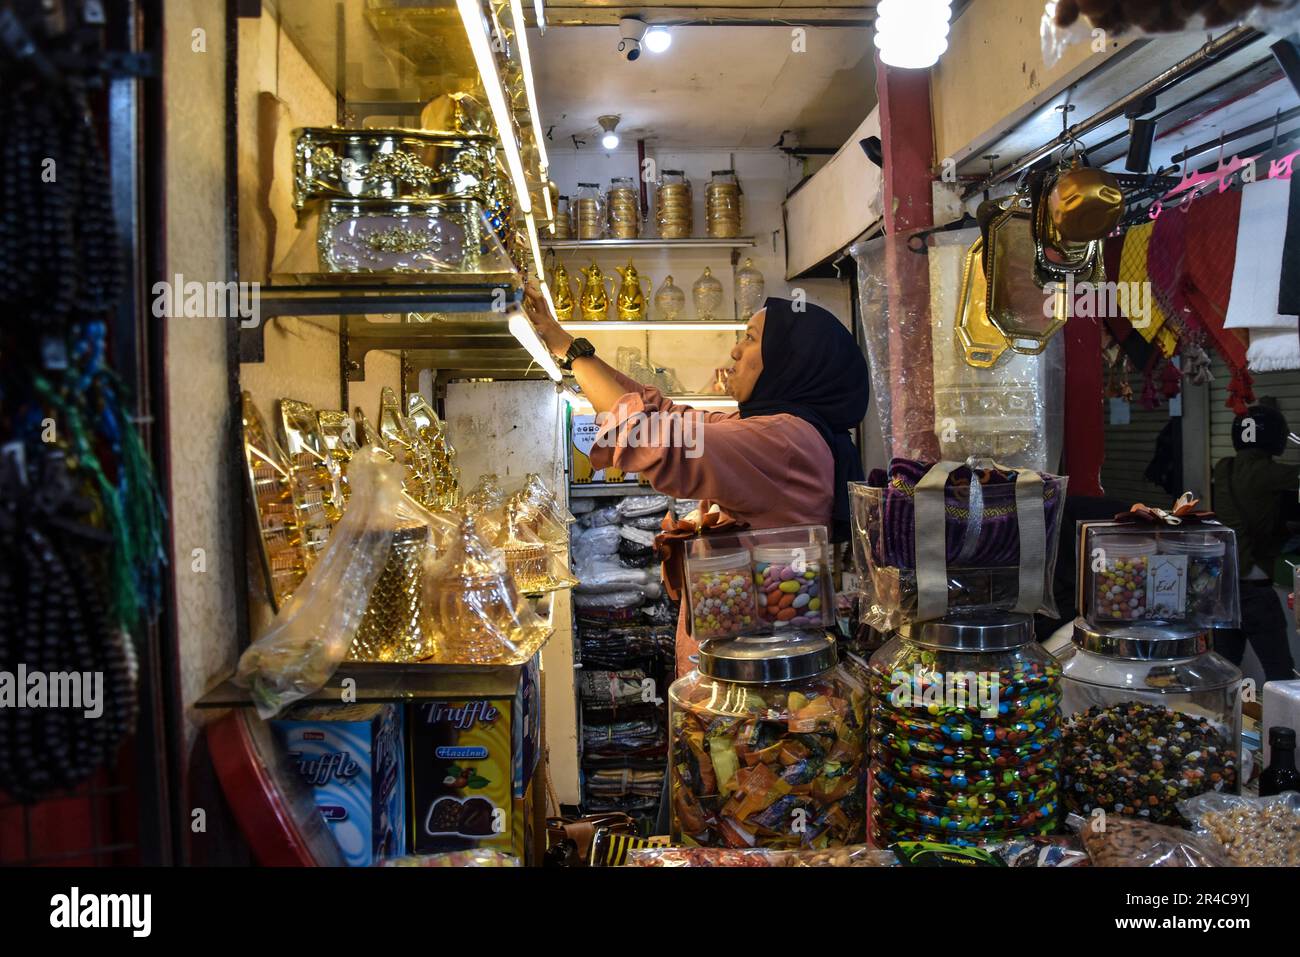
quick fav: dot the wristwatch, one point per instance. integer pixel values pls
(580, 348)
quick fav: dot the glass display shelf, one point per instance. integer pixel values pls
(701, 242)
(652, 325)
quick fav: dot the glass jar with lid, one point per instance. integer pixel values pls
(1152, 715)
(624, 206)
(749, 290)
(965, 735)
(706, 292)
(670, 300)
(589, 211)
(768, 745)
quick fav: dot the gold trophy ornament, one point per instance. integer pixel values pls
(631, 302)
(562, 294)
(593, 302)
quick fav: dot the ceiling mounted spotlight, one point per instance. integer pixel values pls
(608, 124)
(657, 39)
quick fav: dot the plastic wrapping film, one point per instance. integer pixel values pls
(973, 551)
(1113, 841)
(473, 611)
(1064, 22)
(1251, 832)
(313, 632)
(1011, 411)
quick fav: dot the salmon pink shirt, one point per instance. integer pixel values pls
(766, 471)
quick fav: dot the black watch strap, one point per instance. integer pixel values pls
(578, 349)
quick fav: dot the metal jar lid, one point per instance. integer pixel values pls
(974, 632)
(1141, 642)
(768, 659)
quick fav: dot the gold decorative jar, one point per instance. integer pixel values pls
(706, 293)
(589, 212)
(722, 204)
(631, 302)
(673, 205)
(593, 301)
(562, 294)
(624, 204)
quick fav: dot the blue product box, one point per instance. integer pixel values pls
(352, 756)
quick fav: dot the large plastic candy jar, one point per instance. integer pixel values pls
(1152, 716)
(965, 731)
(768, 745)
(721, 594)
(790, 582)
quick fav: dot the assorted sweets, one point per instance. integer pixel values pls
(965, 732)
(1182, 576)
(1151, 717)
(768, 745)
(764, 580)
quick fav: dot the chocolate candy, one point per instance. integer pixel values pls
(971, 757)
(958, 729)
(1140, 759)
(968, 821)
(897, 789)
(1121, 589)
(966, 779)
(789, 593)
(722, 601)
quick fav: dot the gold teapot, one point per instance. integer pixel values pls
(593, 302)
(562, 294)
(631, 302)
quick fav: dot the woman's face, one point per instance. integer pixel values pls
(747, 359)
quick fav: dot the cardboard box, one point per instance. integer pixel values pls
(352, 756)
(582, 436)
(472, 760)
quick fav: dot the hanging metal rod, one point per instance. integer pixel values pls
(1232, 41)
(1272, 123)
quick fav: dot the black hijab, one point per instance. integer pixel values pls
(812, 369)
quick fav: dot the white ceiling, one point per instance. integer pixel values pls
(716, 87)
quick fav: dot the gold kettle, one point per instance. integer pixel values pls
(562, 294)
(593, 302)
(631, 302)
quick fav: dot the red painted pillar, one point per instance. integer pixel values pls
(907, 142)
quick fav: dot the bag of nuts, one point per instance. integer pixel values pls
(1253, 832)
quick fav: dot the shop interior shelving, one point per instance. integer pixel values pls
(368, 682)
(703, 242)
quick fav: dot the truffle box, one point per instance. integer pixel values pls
(472, 760)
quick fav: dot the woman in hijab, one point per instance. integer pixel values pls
(784, 458)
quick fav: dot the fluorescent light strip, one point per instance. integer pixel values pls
(541, 16)
(521, 37)
(522, 329)
(581, 402)
(546, 198)
(471, 14)
(615, 325)
(531, 222)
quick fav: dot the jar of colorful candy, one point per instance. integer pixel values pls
(721, 594)
(789, 583)
(1120, 584)
(965, 731)
(1151, 716)
(768, 745)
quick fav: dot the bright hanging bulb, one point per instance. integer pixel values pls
(912, 34)
(657, 40)
(608, 123)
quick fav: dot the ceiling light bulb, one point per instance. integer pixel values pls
(609, 141)
(608, 122)
(912, 35)
(657, 40)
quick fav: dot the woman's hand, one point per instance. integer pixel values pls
(548, 328)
